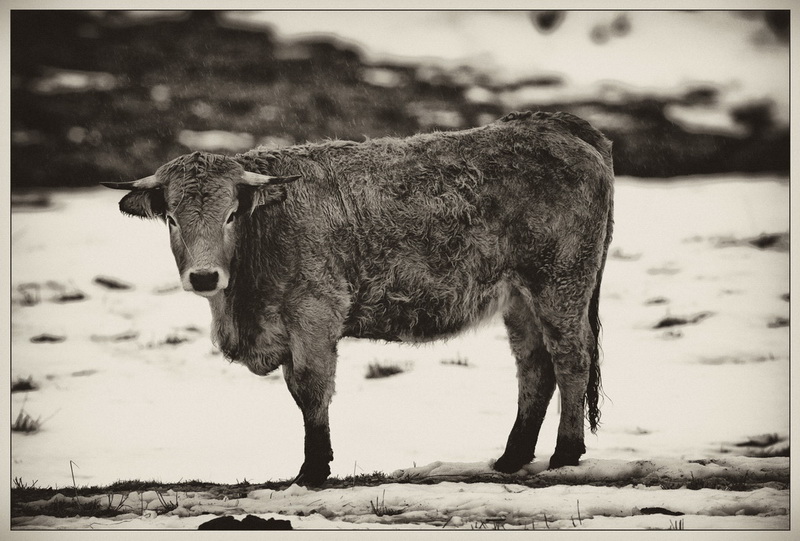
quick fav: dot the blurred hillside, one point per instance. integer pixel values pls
(111, 96)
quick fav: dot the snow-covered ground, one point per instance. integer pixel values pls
(457, 505)
(136, 391)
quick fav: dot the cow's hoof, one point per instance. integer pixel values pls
(568, 453)
(312, 475)
(563, 459)
(505, 464)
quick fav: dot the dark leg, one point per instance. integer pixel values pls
(536, 381)
(312, 386)
(562, 305)
(568, 344)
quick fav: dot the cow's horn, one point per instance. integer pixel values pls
(256, 179)
(141, 184)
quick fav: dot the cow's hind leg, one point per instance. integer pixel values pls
(568, 338)
(536, 380)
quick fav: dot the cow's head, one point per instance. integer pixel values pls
(201, 196)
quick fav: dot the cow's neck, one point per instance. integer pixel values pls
(246, 322)
(222, 325)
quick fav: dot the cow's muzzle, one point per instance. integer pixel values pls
(206, 282)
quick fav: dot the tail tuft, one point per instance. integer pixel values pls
(594, 390)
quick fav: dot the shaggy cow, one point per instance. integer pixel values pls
(407, 240)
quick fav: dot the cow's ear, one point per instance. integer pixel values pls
(147, 203)
(253, 197)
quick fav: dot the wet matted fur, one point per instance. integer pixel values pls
(410, 240)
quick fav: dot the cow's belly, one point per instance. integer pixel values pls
(438, 311)
(426, 280)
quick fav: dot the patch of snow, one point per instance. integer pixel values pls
(216, 140)
(63, 81)
(382, 77)
(612, 471)
(704, 119)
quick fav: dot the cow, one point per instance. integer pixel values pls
(402, 239)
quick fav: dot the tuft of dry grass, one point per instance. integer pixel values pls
(672, 321)
(31, 294)
(166, 506)
(677, 525)
(19, 484)
(778, 322)
(23, 384)
(379, 507)
(458, 361)
(25, 423)
(765, 445)
(378, 370)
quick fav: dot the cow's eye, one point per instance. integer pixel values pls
(231, 218)
(171, 221)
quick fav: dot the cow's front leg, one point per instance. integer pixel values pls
(311, 383)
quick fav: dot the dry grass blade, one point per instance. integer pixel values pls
(379, 507)
(25, 423)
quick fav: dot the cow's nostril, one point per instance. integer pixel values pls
(204, 281)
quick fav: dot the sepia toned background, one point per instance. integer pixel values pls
(114, 94)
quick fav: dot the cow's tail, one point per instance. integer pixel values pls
(595, 387)
(594, 390)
